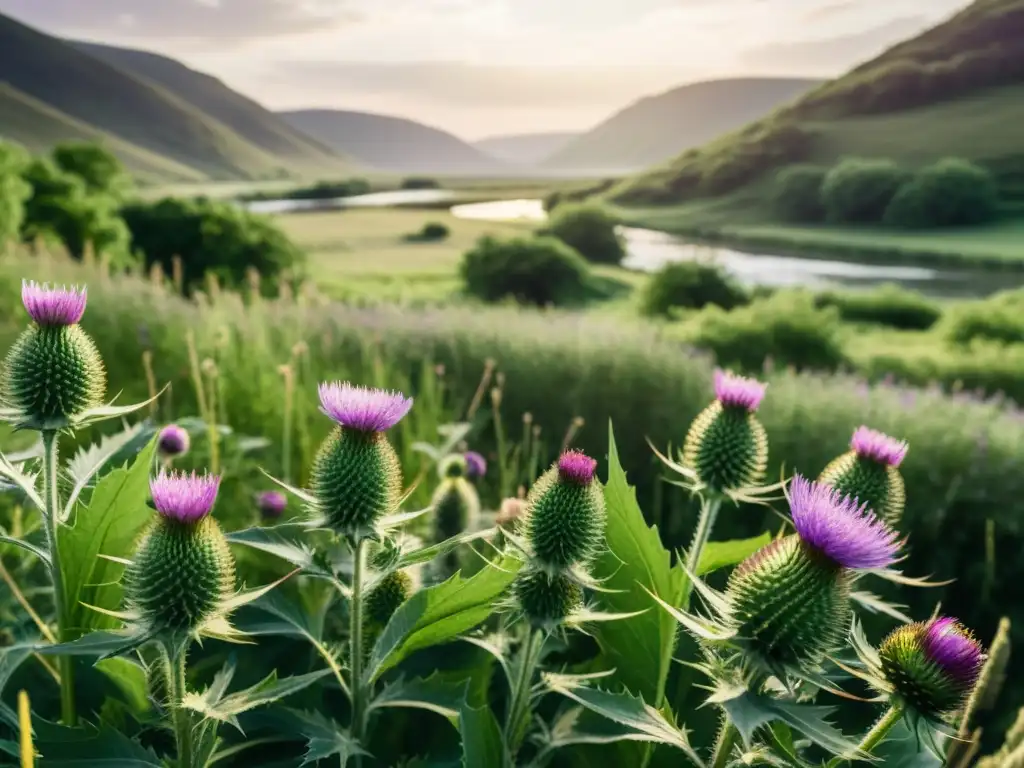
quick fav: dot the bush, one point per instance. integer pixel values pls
(540, 270)
(590, 231)
(859, 191)
(431, 232)
(786, 328)
(889, 305)
(1000, 318)
(690, 285)
(796, 195)
(13, 191)
(211, 236)
(420, 182)
(948, 193)
(99, 169)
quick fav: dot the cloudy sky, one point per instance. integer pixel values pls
(481, 67)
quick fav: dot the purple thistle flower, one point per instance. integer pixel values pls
(840, 528)
(576, 467)
(735, 391)
(876, 446)
(183, 497)
(271, 503)
(361, 408)
(476, 465)
(173, 440)
(952, 647)
(53, 306)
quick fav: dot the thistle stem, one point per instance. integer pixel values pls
(705, 523)
(723, 746)
(876, 735)
(51, 522)
(176, 689)
(519, 705)
(355, 653)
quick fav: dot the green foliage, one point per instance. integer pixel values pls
(13, 191)
(539, 271)
(889, 305)
(590, 231)
(211, 237)
(859, 191)
(690, 285)
(796, 193)
(949, 193)
(420, 182)
(96, 166)
(432, 232)
(1000, 318)
(322, 190)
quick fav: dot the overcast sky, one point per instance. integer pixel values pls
(482, 67)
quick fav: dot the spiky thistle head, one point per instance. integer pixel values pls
(932, 666)
(727, 447)
(173, 441)
(453, 465)
(271, 504)
(565, 514)
(356, 477)
(869, 471)
(385, 597)
(456, 507)
(476, 465)
(546, 599)
(183, 568)
(53, 373)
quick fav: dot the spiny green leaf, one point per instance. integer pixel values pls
(89, 461)
(12, 657)
(227, 708)
(89, 747)
(116, 515)
(427, 554)
(439, 614)
(749, 711)
(283, 541)
(102, 645)
(28, 547)
(722, 554)
(434, 693)
(324, 738)
(482, 744)
(25, 483)
(130, 679)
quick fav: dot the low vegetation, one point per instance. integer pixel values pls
(540, 270)
(690, 285)
(589, 230)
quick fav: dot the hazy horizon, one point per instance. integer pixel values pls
(481, 68)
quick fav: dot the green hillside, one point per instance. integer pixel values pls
(97, 94)
(656, 128)
(247, 118)
(954, 90)
(525, 148)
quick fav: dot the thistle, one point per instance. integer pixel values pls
(456, 507)
(384, 599)
(183, 570)
(53, 373)
(476, 465)
(546, 600)
(789, 602)
(356, 477)
(271, 504)
(870, 473)
(726, 448)
(173, 441)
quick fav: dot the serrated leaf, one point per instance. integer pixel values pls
(426, 554)
(749, 711)
(89, 461)
(25, 483)
(874, 604)
(28, 547)
(282, 541)
(12, 657)
(722, 554)
(226, 709)
(110, 525)
(324, 738)
(440, 614)
(111, 411)
(435, 694)
(482, 744)
(89, 747)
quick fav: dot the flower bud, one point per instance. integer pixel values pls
(272, 504)
(870, 473)
(565, 515)
(456, 507)
(727, 447)
(476, 465)
(546, 599)
(53, 372)
(356, 477)
(453, 465)
(385, 598)
(183, 568)
(932, 665)
(173, 441)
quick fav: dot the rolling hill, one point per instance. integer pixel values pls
(656, 128)
(527, 148)
(957, 89)
(393, 143)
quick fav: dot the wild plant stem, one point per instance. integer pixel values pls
(519, 705)
(177, 659)
(356, 650)
(51, 522)
(875, 736)
(724, 744)
(705, 523)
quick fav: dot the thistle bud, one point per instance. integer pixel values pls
(456, 507)
(727, 447)
(271, 504)
(932, 666)
(356, 477)
(476, 465)
(790, 600)
(870, 473)
(546, 599)
(53, 372)
(452, 465)
(385, 598)
(173, 441)
(183, 568)
(565, 515)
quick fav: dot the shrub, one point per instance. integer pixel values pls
(949, 193)
(97, 167)
(889, 305)
(796, 195)
(786, 328)
(211, 236)
(590, 231)
(13, 191)
(540, 270)
(420, 182)
(859, 191)
(690, 285)
(999, 318)
(432, 231)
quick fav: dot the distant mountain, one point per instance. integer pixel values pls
(656, 128)
(393, 143)
(526, 148)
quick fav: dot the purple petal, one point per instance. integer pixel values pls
(876, 446)
(576, 467)
(361, 408)
(53, 306)
(738, 392)
(476, 465)
(840, 528)
(183, 497)
(272, 503)
(952, 647)
(173, 440)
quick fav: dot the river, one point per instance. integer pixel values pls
(648, 249)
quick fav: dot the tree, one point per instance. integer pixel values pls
(859, 191)
(949, 193)
(589, 230)
(98, 168)
(538, 270)
(13, 191)
(796, 195)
